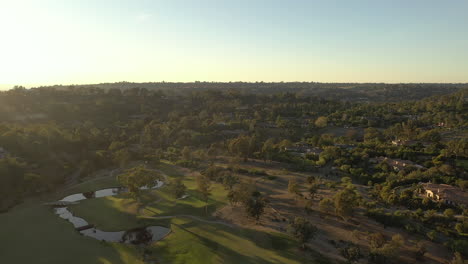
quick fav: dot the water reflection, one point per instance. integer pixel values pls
(77, 222)
(104, 193)
(134, 236)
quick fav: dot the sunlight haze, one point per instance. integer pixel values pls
(75, 42)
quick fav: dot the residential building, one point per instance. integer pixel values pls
(445, 193)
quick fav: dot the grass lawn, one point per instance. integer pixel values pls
(190, 241)
(31, 233)
(114, 213)
(196, 242)
(194, 204)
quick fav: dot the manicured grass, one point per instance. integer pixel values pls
(112, 213)
(196, 242)
(120, 212)
(190, 241)
(31, 233)
(193, 204)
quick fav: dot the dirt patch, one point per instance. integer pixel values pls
(334, 232)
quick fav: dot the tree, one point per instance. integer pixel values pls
(381, 251)
(463, 184)
(293, 187)
(321, 122)
(186, 153)
(432, 235)
(326, 205)
(346, 181)
(240, 193)
(311, 179)
(212, 172)
(376, 240)
(313, 189)
(308, 207)
(241, 146)
(303, 230)
(255, 205)
(345, 202)
(449, 213)
(229, 180)
(284, 143)
(393, 247)
(122, 157)
(12, 181)
(462, 228)
(268, 149)
(372, 134)
(177, 187)
(351, 253)
(204, 187)
(458, 259)
(421, 250)
(138, 177)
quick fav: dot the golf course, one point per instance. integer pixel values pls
(32, 233)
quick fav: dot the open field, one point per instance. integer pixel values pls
(192, 240)
(195, 242)
(31, 233)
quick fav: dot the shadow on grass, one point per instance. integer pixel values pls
(232, 245)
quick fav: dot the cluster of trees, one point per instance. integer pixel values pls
(139, 177)
(381, 250)
(249, 197)
(15, 181)
(52, 132)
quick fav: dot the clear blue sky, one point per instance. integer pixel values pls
(89, 41)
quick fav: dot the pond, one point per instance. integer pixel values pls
(134, 236)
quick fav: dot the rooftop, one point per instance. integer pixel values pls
(448, 192)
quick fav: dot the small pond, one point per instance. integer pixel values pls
(135, 236)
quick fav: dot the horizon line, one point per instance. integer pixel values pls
(29, 86)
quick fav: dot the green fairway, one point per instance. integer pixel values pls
(197, 242)
(31, 233)
(193, 204)
(120, 212)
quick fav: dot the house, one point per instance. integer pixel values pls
(445, 193)
(399, 142)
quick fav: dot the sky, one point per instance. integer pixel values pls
(44, 42)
